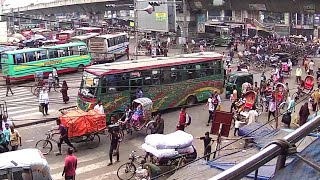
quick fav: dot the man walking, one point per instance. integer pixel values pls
(114, 145)
(63, 137)
(44, 101)
(182, 119)
(207, 141)
(8, 85)
(211, 109)
(70, 166)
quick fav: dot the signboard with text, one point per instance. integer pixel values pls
(161, 19)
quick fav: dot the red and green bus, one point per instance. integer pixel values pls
(169, 81)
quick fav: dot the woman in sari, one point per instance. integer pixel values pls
(64, 92)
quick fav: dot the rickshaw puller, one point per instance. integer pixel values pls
(63, 137)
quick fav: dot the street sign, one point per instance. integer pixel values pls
(161, 19)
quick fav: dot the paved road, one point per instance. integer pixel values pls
(93, 162)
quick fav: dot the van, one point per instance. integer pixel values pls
(25, 164)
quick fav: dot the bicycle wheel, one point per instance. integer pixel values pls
(126, 171)
(32, 89)
(45, 146)
(37, 91)
(93, 141)
(283, 107)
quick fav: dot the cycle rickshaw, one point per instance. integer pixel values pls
(281, 94)
(305, 87)
(141, 117)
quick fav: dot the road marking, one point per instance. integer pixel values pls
(24, 110)
(20, 99)
(84, 169)
(82, 159)
(38, 125)
(22, 117)
(30, 140)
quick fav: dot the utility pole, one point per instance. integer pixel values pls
(185, 25)
(19, 20)
(135, 30)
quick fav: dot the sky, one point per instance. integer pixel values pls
(21, 3)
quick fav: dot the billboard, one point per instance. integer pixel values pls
(162, 18)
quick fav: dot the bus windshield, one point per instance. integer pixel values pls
(89, 85)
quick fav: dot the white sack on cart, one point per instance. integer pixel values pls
(187, 150)
(160, 153)
(177, 139)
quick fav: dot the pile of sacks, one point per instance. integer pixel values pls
(169, 145)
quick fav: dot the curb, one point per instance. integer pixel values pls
(36, 122)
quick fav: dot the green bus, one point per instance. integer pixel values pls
(168, 81)
(22, 64)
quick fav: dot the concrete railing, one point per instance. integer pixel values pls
(55, 4)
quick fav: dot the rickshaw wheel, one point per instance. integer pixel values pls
(93, 141)
(191, 100)
(150, 127)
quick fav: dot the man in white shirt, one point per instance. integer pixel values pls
(44, 101)
(210, 106)
(298, 74)
(252, 115)
(311, 67)
(55, 74)
(5, 121)
(99, 107)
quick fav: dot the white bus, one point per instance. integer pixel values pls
(84, 38)
(108, 47)
(84, 30)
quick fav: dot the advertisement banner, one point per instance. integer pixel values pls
(201, 20)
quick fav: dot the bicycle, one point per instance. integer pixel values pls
(129, 169)
(92, 140)
(35, 89)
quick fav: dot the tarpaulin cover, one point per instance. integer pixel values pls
(80, 123)
(298, 169)
(262, 135)
(264, 172)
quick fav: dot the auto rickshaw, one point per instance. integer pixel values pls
(237, 79)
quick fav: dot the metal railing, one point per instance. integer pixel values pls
(267, 154)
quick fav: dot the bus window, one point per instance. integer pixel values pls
(63, 52)
(200, 71)
(208, 68)
(121, 39)
(155, 77)
(166, 75)
(73, 50)
(110, 42)
(19, 58)
(42, 55)
(217, 67)
(53, 54)
(31, 56)
(83, 50)
(147, 77)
